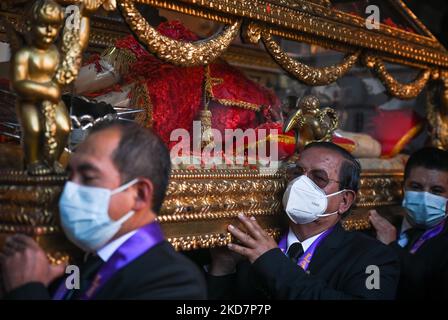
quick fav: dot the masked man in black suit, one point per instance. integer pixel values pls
(422, 240)
(316, 258)
(117, 182)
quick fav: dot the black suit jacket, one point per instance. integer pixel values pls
(424, 274)
(160, 273)
(337, 271)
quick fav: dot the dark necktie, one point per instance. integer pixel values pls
(295, 251)
(87, 272)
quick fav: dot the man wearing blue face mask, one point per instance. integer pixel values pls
(315, 259)
(422, 240)
(117, 182)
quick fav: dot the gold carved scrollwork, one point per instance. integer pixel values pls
(443, 76)
(252, 33)
(298, 4)
(75, 39)
(210, 240)
(71, 56)
(309, 75)
(199, 205)
(437, 119)
(181, 53)
(380, 189)
(377, 189)
(200, 197)
(108, 5)
(395, 88)
(200, 241)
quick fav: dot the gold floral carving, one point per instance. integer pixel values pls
(28, 205)
(437, 119)
(252, 33)
(306, 21)
(177, 52)
(356, 223)
(108, 5)
(379, 189)
(197, 242)
(198, 207)
(393, 86)
(203, 195)
(71, 57)
(309, 75)
(442, 75)
(316, 22)
(210, 240)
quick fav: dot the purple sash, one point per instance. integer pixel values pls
(305, 260)
(431, 233)
(144, 239)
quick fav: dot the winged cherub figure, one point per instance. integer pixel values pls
(38, 72)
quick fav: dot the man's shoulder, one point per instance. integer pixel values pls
(435, 248)
(364, 244)
(166, 263)
(159, 273)
(163, 254)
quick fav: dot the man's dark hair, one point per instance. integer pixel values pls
(140, 153)
(429, 158)
(350, 171)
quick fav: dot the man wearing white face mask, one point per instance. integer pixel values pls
(316, 258)
(422, 240)
(108, 208)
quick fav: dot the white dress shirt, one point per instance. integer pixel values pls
(108, 250)
(292, 238)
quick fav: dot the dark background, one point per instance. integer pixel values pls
(434, 14)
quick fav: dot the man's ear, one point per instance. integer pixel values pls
(348, 198)
(144, 194)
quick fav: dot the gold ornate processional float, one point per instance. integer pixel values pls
(200, 203)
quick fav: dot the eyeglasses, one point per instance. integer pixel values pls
(318, 176)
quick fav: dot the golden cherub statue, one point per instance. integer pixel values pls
(312, 123)
(38, 73)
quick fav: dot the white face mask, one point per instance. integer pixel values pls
(305, 202)
(84, 215)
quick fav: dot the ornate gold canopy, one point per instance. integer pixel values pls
(314, 22)
(194, 214)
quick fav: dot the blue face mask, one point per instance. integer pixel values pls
(425, 209)
(84, 215)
